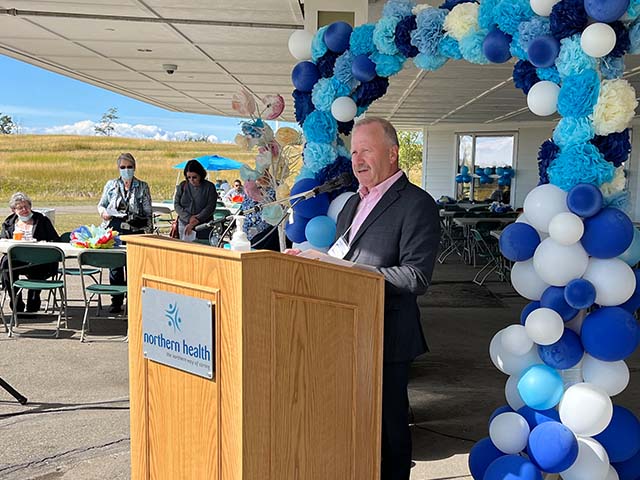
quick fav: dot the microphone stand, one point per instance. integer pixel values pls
(14, 393)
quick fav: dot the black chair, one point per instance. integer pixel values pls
(488, 253)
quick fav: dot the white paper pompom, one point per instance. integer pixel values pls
(615, 108)
(616, 185)
(461, 20)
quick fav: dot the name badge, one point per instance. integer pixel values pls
(339, 249)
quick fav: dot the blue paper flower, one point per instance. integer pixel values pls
(532, 29)
(398, 8)
(579, 94)
(429, 62)
(634, 37)
(337, 168)
(623, 42)
(320, 127)
(634, 9)
(326, 64)
(546, 154)
(384, 35)
(253, 128)
(318, 47)
(361, 41)
(615, 147)
(582, 163)
(403, 36)
(471, 47)
(449, 48)
(612, 67)
(368, 92)
(572, 59)
(345, 128)
(486, 14)
(509, 14)
(428, 32)
(449, 4)
(550, 73)
(567, 18)
(326, 91)
(302, 104)
(319, 155)
(516, 49)
(387, 65)
(573, 131)
(342, 69)
(524, 76)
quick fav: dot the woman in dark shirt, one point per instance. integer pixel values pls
(194, 201)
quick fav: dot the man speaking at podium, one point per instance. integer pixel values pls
(394, 226)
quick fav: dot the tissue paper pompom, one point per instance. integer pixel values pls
(573, 131)
(319, 155)
(428, 32)
(302, 104)
(337, 168)
(509, 14)
(320, 127)
(623, 43)
(403, 36)
(471, 47)
(611, 67)
(384, 35)
(633, 11)
(326, 91)
(462, 20)
(534, 28)
(318, 47)
(326, 64)
(398, 8)
(620, 200)
(582, 163)
(616, 184)
(486, 15)
(450, 48)
(368, 92)
(305, 172)
(345, 127)
(387, 65)
(524, 76)
(634, 38)
(615, 108)
(550, 74)
(288, 136)
(342, 70)
(572, 59)
(567, 18)
(579, 94)
(546, 154)
(429, 62)
(516, 49)
(615, 147)
(361, 41)
(341, 149)
(449, 4)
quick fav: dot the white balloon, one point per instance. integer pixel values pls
(558, 264)
(526, 281)
(542, 98)
(544, 326)
(566, 228)
(592, 462)
(612, 475)
(522, 218)
(515, 340)
(300, 44)
(586, 409)
(509, 432)
(507, 362)
(542, 204)
(612, 377)
(571, 376)
(344, 109)
(337, 204)
(511, 393)
(598, 39)
(613, 280)
(543, 7)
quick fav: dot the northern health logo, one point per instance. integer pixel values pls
(173, 314)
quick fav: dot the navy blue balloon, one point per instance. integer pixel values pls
(563, 354)
(295, 230)
(553, 447)
(633, 303)
(543, 51)
(305, 75)
(629, 470)
(553, 298)
(621, 438)
(580, 293)
(496, 46)
(512, 467)
(337, 35)
(536, 417)
(585, 200)
(518, 241)
(498, 411)
(606, 11)
(610, 334)
(363, 68)
(607, 234)
(528, 308)
(482, 454)
(311, 207)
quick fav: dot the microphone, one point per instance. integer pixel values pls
(342, 180)
(204, 226)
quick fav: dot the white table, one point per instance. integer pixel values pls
(69, 250)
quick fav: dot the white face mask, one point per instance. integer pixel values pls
(25, 219)
(126, 173)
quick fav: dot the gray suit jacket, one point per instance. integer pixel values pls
(400, 237)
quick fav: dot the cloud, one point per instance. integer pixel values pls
(152, 132)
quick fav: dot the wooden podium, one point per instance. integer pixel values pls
(297, 387)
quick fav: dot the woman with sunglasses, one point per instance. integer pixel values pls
(195, 202)
(125, 206)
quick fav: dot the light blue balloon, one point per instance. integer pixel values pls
(540, 387)
(320, 231)
(632, 254)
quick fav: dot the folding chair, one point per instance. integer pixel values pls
(483, 250)
(162, 218)
(22, 257)
(101, 259)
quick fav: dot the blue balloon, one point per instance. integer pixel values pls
(631, 256)
(543, 51)
(528, 308)
(563, 354)
(610, 334)
(629, 470)
(500, 171)
(580, 293)
(480, 457)
(518, 242)
(540, 387)
(459, 178)
(585, 200)
(337, 35)
(464, 169)
(553, 298)
(495, 46)
(466, 178)
(633, 303)
(606, 11)
(621, 438)
(498, 411)
(552, 447)
(512, 467)
(312, 207)
(305, 75)
(295, 230)
(321, 231)
(484, 179)
(536, 417)
(607, 234)
(488, 171)
(363, 68)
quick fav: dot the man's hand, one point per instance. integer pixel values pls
(292, 251)
(106, 216)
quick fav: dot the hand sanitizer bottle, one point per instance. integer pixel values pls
(239, 241)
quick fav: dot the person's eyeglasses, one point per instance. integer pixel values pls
(128, 167)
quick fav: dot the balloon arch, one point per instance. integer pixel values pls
(573, 248)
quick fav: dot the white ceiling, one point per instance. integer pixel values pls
(222, 45)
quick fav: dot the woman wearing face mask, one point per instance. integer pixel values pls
(125, 206)
(195, 202)
(25, 224)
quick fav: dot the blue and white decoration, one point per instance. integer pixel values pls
(574, 247)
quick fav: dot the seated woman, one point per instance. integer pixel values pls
(195, 202)
(28, 225)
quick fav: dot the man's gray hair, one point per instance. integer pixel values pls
(17, 198)
(126, 157)
(389, 130)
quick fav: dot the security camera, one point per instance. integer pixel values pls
(169, 68)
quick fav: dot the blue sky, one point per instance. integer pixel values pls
(44, 102)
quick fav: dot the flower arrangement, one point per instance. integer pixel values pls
(90, 236)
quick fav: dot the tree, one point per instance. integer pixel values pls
(410, 152)
(106, 126)
(7, 126)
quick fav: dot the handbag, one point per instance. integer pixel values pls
(173, 233)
